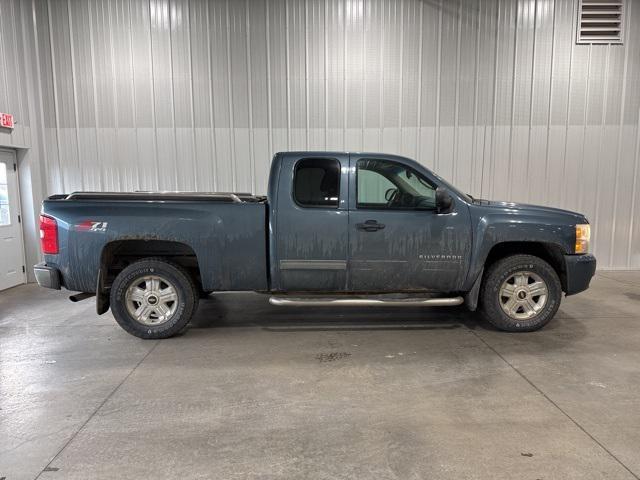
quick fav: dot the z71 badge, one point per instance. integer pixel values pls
(91, 226)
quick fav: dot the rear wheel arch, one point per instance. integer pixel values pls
(119, 254)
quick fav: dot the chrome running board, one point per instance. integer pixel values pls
(318, 301)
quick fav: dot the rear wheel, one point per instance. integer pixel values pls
(153, 298)
(520, 293)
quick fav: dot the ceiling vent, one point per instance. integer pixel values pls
(600, 21)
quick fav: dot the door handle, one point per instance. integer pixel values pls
(370, 226)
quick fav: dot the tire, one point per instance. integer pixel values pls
(162, 294)
(513, 298)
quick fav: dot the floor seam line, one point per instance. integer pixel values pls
(631, 284)
(93, 414)
(560, 409)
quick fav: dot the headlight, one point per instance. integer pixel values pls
(583, 235)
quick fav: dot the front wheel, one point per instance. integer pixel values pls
(153, 298)
(520, 293)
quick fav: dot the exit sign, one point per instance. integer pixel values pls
(6, 120)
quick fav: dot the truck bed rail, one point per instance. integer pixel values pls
(221, 197)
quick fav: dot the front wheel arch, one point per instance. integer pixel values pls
(552, 253)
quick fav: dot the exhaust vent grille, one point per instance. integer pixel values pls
(600, 21)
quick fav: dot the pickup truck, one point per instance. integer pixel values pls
(335, 229)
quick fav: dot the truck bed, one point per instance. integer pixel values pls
(225, 231)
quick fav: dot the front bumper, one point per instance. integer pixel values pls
(48, 277)
(579, 270)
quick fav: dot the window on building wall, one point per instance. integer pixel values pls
(317, 182)
(5, 217)
(600, 21)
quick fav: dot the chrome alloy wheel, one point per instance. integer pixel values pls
(523, 295)
(151, 300)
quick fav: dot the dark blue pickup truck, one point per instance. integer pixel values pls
(335, 228)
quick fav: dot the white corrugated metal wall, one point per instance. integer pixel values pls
(495, 95)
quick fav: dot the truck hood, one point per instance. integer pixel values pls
(528, 208)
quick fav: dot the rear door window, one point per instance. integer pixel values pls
(317, 182)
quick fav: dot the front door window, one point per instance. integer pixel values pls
(383, 184)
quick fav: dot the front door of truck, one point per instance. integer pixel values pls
(312, 223)
(397, 240)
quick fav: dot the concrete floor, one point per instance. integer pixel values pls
(256, 391)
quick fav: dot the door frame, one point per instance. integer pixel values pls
(14, 152)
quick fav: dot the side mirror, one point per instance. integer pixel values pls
(444, 201)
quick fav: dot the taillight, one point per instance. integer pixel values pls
(48, 235)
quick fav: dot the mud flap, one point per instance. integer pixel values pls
(102, 295)
(471, 297)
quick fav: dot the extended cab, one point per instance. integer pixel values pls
(334, 229)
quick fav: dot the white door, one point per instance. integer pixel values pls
(11, 248)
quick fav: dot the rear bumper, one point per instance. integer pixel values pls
(579, 269)
(47, 277)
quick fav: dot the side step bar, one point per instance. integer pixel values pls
(286, 301)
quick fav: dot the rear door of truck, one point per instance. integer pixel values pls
(312, 222)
